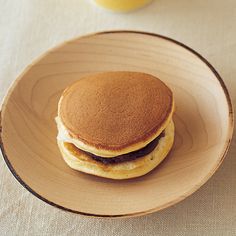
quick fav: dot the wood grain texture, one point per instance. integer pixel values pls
(203, 120)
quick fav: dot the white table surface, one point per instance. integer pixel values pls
(30, 27)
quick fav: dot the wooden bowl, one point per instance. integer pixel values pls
(203, 119)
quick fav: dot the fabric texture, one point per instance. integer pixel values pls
(30, 27)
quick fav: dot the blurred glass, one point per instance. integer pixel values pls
(122, 5)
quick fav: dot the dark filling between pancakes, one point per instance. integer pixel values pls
(131, 155)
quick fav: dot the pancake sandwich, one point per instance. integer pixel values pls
(115, 125)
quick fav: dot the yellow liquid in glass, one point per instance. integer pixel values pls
(122, 5)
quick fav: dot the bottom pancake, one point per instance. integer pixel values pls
(81, 161)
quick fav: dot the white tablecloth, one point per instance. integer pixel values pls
(29, 27)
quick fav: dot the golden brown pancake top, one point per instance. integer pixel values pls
(113, 110)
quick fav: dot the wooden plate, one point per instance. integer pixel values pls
(203, 119)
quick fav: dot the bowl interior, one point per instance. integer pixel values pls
(202, 124)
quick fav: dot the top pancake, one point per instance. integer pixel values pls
(116, 110)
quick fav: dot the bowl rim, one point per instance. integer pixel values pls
(135, 214)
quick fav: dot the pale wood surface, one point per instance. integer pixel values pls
(203, 121)
(211, 211)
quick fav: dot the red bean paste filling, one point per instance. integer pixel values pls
(131, 155)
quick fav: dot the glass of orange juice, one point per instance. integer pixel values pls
(122, 5)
